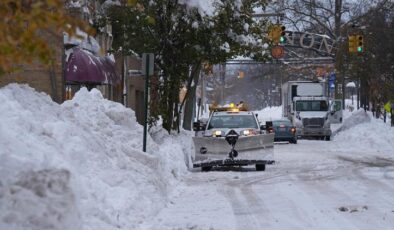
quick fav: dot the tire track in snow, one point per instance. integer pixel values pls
(265, 208)
(289, 218)
(338, 191)
(385, 190)
(328, 199)
(319, 207)
(365, 209)
(242, 212)
(249, 208)
(259, 210)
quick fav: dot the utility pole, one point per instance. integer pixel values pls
(222, 81)
(203, 75)
(343, 81)
(358, 93)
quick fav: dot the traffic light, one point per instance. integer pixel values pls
(282, 38)
(360, 43)
(356, 44)
(352, 44)
(274, 33)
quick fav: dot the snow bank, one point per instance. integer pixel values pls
(79, 165)
(270, 113)
(361, 131)
(355, 118)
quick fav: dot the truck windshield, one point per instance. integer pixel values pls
(311, 106)
(232, 122)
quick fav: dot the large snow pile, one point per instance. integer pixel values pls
(270, 113)
(361, 131)
(79, 164)
(355, 118)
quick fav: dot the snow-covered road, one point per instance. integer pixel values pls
(313, 186)
(79, 165)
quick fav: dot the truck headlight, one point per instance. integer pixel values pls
(217, 133)
(249, 132)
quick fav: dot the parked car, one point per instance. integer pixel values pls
(284, 131)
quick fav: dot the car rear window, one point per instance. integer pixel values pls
(278, 123)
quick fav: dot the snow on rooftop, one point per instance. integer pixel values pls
(83, 40)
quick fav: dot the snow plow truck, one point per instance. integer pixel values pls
(232, 136)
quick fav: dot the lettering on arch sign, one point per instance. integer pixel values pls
(319, 42)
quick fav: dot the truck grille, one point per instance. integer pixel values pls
(313, 122)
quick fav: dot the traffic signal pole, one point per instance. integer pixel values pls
(343, 85)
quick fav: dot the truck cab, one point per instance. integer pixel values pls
(307, 105)
(311, 117)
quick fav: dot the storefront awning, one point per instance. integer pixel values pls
(85, 68)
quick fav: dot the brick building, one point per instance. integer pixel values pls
(48, 79)
(53, 80)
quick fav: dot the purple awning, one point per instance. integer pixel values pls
(84, 67)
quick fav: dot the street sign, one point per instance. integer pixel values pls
(147, 57)
(277, 52)
(331, 81)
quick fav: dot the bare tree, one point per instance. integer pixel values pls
(334, 18)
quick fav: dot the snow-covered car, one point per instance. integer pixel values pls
(232, 138)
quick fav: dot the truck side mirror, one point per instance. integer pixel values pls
(269, 127)
(196, 126)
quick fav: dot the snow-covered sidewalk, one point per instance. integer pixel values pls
(80, 165)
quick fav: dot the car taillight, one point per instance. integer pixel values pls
(293, 130)
(270, 130)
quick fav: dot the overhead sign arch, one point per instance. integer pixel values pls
(322, 44)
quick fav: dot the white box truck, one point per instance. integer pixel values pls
(306, 104)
